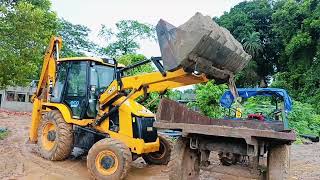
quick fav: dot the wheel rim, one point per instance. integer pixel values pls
(161, 153)
(107, 162)
(48, 136)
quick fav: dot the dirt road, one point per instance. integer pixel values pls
(19, 160)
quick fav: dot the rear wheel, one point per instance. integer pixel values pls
(278, 162)
(109, 159)
(228, 159)
(162, 156)
(55, 137)
(184, 163)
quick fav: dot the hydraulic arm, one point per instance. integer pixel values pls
(143, 85)
(46, 83)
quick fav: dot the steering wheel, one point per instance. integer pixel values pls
(273, 113)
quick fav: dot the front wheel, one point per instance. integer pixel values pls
(278, 162)
(109, 159)
(184, 163)
(162, 156)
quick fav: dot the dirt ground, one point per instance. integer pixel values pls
(19, 160)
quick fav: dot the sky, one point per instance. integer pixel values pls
(93, 13)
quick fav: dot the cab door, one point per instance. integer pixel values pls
(75, 95)
(100, 78)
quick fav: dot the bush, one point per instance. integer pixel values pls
(3, 134)
(304, 119)
(207, 99)
(256, 104)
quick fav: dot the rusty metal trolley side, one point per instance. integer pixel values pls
(201, 135)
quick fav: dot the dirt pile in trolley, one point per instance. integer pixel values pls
(200, 45)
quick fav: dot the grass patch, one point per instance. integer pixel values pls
(3, 134)
(298, 140)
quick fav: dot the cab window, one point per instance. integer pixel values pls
(76, 90)
(101, 77)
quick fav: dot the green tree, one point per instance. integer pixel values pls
(304, 119)
(128, 59)
(252, 44)
(125, 40)
(298, 25)
(207, 98)
(295, 22)
(75, 39)
(250, 23)
(154, 98)
(134, 58)
(248, 76)
(43, 4)
(25, 30)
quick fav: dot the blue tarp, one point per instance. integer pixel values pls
(227, 98)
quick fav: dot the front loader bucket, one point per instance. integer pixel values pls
(202, 46)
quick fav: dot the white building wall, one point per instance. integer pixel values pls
(14, 104)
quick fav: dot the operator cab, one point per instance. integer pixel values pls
(80, 81)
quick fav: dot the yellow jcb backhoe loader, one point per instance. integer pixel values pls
(88, 102)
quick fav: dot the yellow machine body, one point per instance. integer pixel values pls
(128, 110)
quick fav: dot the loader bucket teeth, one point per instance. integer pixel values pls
(200, 45)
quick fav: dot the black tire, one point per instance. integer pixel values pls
(278, 162)
(120, 163)
(161, 157)
(61, 142)
(184, 163)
